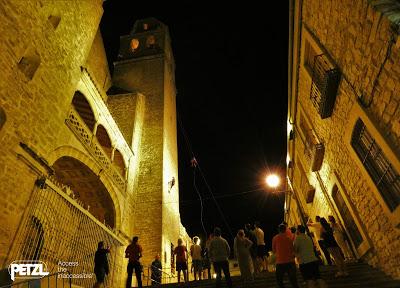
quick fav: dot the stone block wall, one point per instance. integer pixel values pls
(52, 49)
(362, 43)
(97, 64)
(36, 101)
(123, 109)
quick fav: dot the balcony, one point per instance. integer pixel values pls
(318, 153)
(92, 145)
(324, 86)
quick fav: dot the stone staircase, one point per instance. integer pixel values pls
(361, 276)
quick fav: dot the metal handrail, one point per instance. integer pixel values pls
(168, 275)
(29, 281)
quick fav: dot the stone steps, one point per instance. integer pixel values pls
(361, 276)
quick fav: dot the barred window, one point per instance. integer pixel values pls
(309, 56)
(382, 172)
(308, 141)
(349, 222)
(303, 181)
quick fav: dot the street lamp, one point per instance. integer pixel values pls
(272, 180)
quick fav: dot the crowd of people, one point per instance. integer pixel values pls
(292, 248)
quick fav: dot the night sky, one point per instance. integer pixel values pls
(231, 79)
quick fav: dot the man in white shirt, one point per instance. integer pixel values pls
(219, 253)
(195, 252)
(304, 251)
(261, 263)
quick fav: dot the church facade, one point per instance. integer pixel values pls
(344, 123)
(85, 157)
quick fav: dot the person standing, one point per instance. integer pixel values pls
(289, 231)
(195, 252)
(181, 260)
(242, 247)
(308, 262)
(333, 248)
(249, 233)
(339, 235)
(134, 253)
(206, 257)
(101, 268)
(219, 251)
(261, 263)
(156, 269)
(317, 228)
(282, 246)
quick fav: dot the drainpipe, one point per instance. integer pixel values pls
(294, 18)
(290, 52)
(290, 69)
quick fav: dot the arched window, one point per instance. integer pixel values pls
(151, 41)
(104, 140)
(134, 45)
(84, 110)
(119, 162)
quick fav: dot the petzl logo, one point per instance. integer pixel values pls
(27, 269)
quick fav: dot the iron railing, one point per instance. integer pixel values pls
(49, 281)
(57, 230)
(165, 276)
(85, 136)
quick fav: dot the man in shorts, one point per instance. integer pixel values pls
(261, 263)
(195, 252)
(309, 263)
(181, 260)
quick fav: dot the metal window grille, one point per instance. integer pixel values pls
(308, 141)
(349, 222)
(382, 173)
(305, 186)
(324, 85)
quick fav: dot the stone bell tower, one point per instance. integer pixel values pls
(146, 66)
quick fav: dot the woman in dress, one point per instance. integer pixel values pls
(242, 253)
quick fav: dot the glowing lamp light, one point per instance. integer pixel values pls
(214, 275)
(272, 181)
(134, 44)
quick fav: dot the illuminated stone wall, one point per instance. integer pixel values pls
(51, 50)
(360, 41)
(157, 218)
(97, 64)
(36, 101)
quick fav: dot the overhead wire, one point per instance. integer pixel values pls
(188, 202)
(204, 179)
(201, 201)
(216, 203)
(188, 146)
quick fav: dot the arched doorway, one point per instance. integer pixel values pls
(87, 188)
